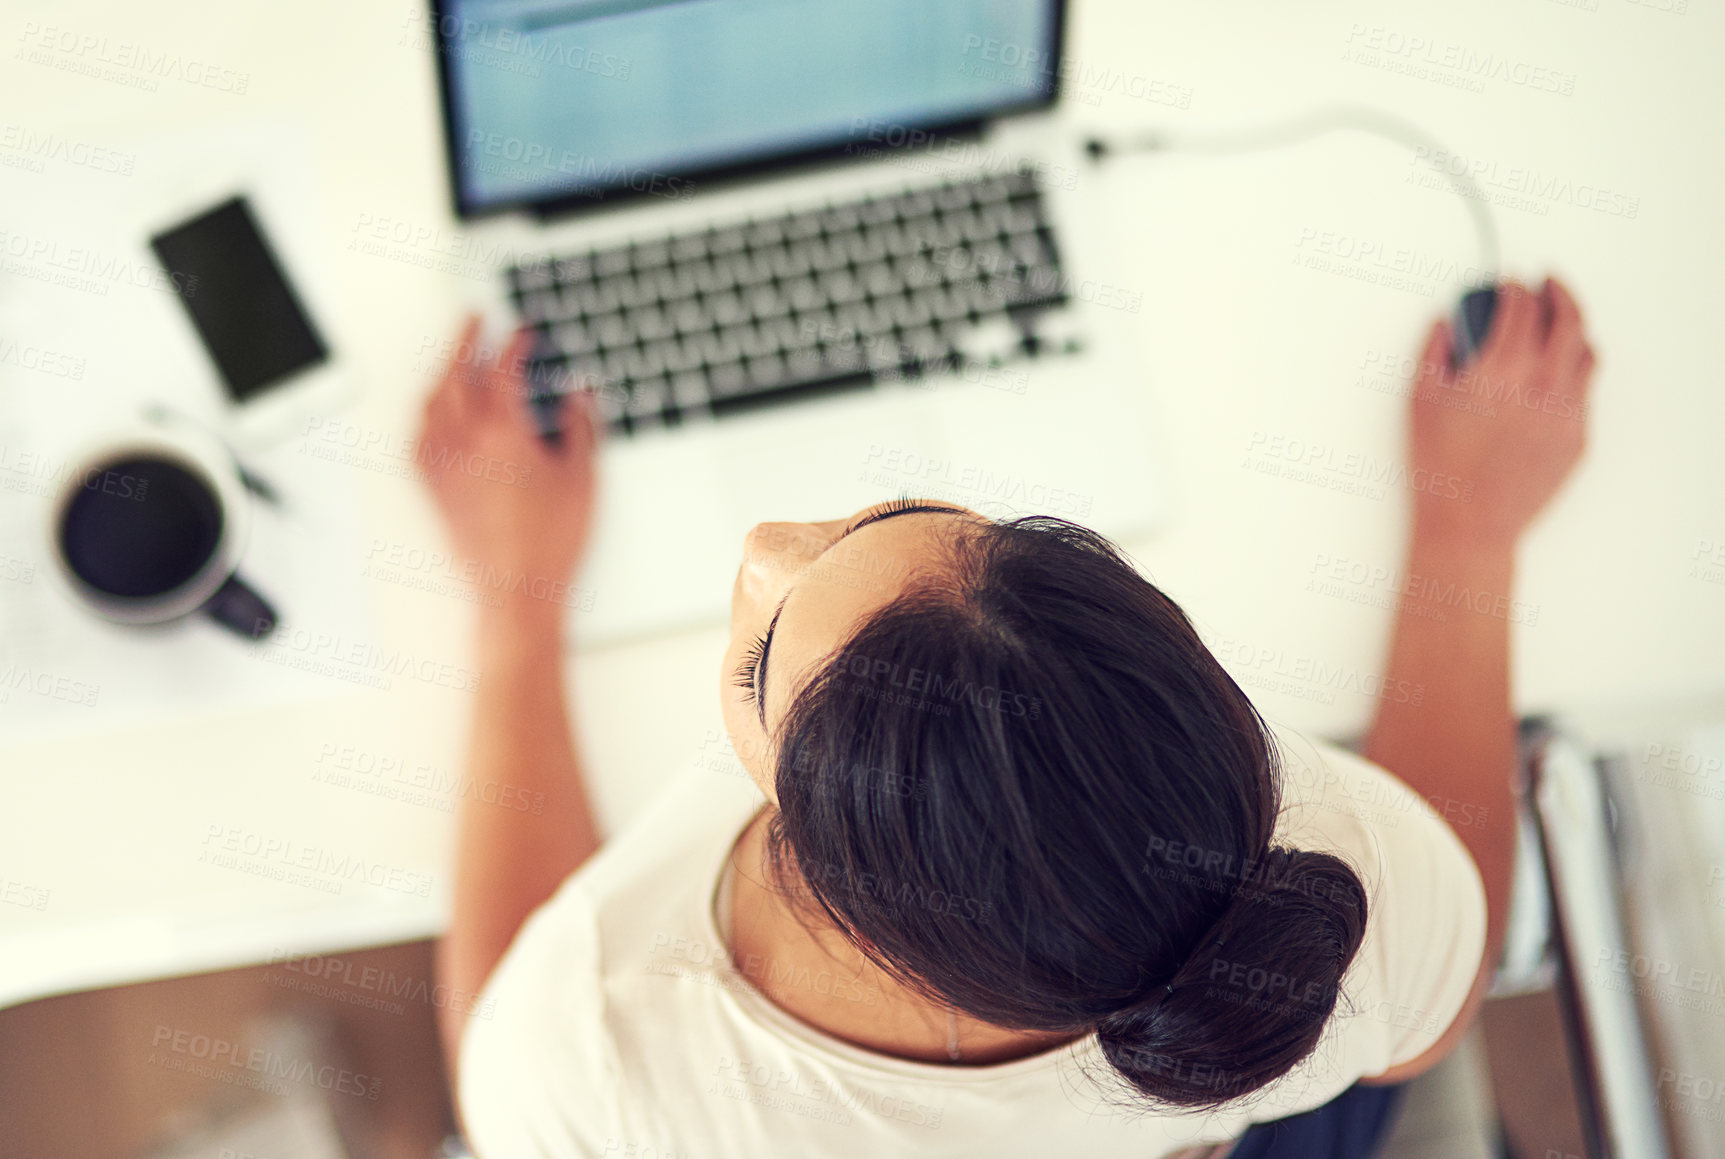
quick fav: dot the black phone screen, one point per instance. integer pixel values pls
(250, 321)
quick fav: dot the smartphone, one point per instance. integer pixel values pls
(253, 325)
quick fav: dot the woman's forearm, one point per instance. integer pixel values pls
(1454, 743)
(1456, 747)
(526, 822)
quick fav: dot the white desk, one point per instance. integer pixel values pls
(101, 835)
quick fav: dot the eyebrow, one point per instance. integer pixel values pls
(767, 641)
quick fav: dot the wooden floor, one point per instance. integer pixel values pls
(1530, 1077)
(118, 1074)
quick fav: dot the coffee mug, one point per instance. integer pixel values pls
(149, 525)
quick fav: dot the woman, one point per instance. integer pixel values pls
(1031, 876)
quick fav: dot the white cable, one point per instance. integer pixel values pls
(1316, 124)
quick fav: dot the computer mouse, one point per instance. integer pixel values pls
(1472, 323)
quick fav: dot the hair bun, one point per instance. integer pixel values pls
(1252, 999)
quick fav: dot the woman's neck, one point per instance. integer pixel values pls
(807, 968)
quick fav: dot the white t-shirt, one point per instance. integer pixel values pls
(617, 1025)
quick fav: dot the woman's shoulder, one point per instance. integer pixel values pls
(1425, 900)
(652, 881)
(1403, 846)
(541, 1059)
(1327, 787)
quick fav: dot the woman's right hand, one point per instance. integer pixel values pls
(509, 500)
(1503, 432)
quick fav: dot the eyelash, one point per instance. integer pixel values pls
(893, 507)
(749, 669)
(744, 677)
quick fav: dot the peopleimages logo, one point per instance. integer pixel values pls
(214, 1052)
(327, 977)
(925, 685)
(895, 894)
(522, 158)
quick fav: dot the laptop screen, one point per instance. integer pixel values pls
(549, 100)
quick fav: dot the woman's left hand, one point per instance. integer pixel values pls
(510, 501)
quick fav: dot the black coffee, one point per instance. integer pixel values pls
(140, 526)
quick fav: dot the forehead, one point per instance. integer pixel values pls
(851, 581)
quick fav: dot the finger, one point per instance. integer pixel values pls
(1515, 322)
(466, 353)
(526, 396)
(448, 381)
(468, 338)
(441, 405)
(486, 383)
(428, 405)
(1568, 335)
(579, 417)
(1581, 371)
(433, 435)
(1434, 369)
(508, 378)
(457, 395)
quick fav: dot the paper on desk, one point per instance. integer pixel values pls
(1579, 851)
(90, 333)
(1672, 791)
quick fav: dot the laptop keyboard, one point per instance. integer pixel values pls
(723, 320)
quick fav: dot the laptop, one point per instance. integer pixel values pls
(814, 254)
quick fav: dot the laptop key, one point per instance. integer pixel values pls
(689, 389)
(725, 346)
(792, 262)
(803, 293)
(572, 338)
(650, 254)
(918, 202)
(678, 355)
(674, 284)
(652, 323)
(803, 364)
(609, 263)
(688, 247)
(611, 330)
(647, 397)
(781, 333)
(638, 364)
(803, 227)
(629, 292)
(609, 401)
(726, 379)
(770, 232)
(597, 298)
(865, 248)
(765, 371)
(952, 195)
(535, 308)
(826, 253)
(925, 345)
(766, 302)
(727, 240)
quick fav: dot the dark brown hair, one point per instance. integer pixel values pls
(1026, 789)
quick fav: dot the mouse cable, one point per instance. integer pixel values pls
(1316, 124)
